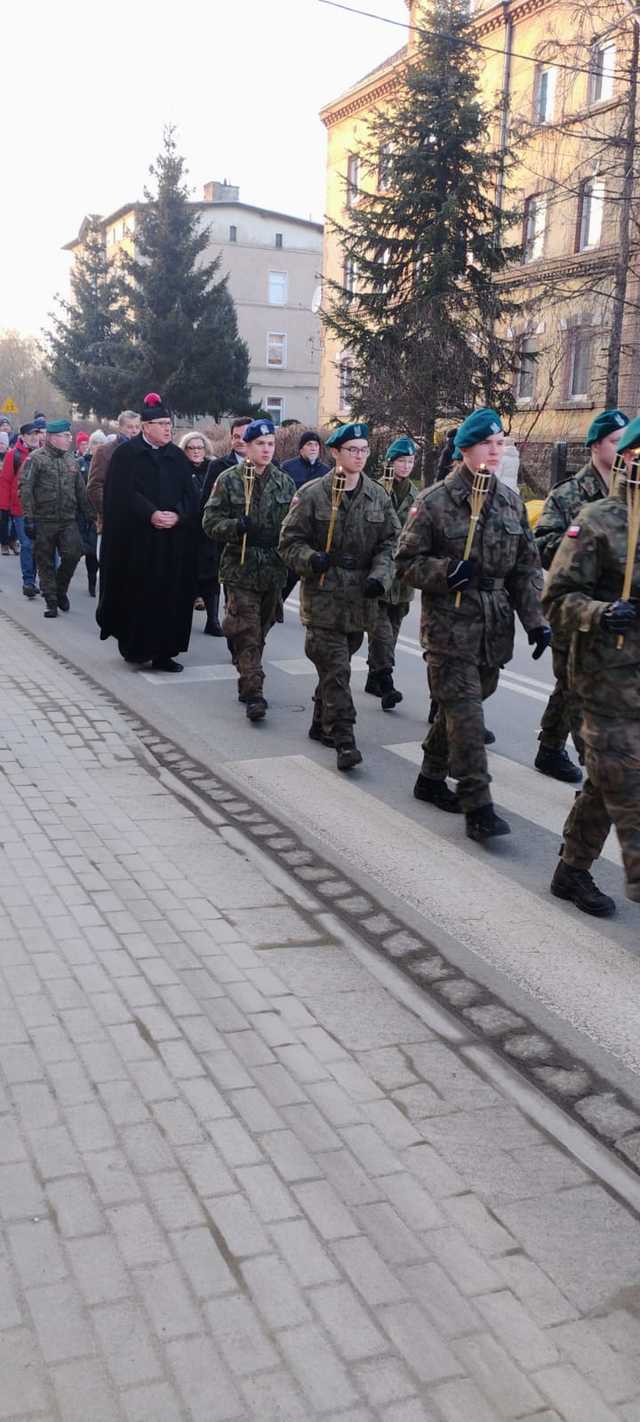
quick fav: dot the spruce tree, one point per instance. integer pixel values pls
(87, 349)
(183, 320)
(424, 245)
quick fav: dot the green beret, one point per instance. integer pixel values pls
(401, 446)
(58, 426)
(345, 432)
(631, 436)
(604, 424)
(477, 427)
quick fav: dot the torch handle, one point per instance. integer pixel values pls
(467, 548)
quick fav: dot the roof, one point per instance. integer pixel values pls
(202, 206)
(367, 78)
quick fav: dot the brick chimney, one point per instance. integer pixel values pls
(221, 192)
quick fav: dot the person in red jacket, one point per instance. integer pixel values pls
(30, 437)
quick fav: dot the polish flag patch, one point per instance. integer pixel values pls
(573, 531)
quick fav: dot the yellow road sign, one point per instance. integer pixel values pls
(9, 407)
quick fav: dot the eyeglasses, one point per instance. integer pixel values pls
(354, 449)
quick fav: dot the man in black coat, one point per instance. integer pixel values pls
(308, 465)
(148, 554)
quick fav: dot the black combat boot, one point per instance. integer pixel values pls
(212, 626)
(51, 610)
(348, 754)
(390, 697)
(558, 764)
(436, 792)
(372, 684)
(316, 733)
(489, 738)
(63, 602)
(29, 591)
(485, 824)
(578, 887)
(256, 708)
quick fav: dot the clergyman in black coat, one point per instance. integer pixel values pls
(149, 543)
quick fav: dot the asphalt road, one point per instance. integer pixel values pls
(490, 906)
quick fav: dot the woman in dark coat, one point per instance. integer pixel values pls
(199, 452)
(148, 553)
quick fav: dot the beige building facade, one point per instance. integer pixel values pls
(272, 262)
(563, 74)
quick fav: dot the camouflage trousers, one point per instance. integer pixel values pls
(383, 638)
(454, 744)
(248, 618)
(611, 794)
(331, 654)
(562, 712)
(63, 539)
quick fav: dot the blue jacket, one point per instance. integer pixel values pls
(301, 471)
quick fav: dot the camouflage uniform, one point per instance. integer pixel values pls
(465, 647)
(53, 494)
(337, 614)
(562, 713)
(253, 589)
(391, 612)
(587, 575)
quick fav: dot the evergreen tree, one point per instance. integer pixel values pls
(87, 349)
(184, 330)
(420, 305)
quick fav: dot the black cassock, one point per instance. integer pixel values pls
(147, 574)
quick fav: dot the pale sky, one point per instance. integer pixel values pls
(85, 90)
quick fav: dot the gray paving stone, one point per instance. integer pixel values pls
(472, 1272)
(239, 1226)
(368, 1272)
(275, 1292)
(350, 1180)
(273, 1397)
(351, 1328)
(36, 1253)
(472, 1217)
(418, 1342)
(615, 1377)
(126, 1343)
(270, 1198)
(290, 1158)
(61, 1323)
(572, 1395)
(326, 1210)
(10, 1312)
(155, 1400)
(204, 1264)
(535, 1290)
(384, 1380)
(461, 1401)
(113, 1180)
(205, 1169)
(412, 1202)
(20, 1192)
(607, 1115)
(303, 1252)
(207, 1390)
(552, 1231)
(168, 1302)
(502, 1382)
(448, 1309)
(238, 1333)
(76, 1209)
(320, 1373)
(98, 1269)
(138, 1236)
(23, 1383)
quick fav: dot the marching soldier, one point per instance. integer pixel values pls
(249, 503)
(562, 712)
(401, 456)
(584, 603)
(465, 646)
(340, 588)
(53, 495)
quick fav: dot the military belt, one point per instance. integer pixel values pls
(349, 561)
(487, 584)
(261, 539)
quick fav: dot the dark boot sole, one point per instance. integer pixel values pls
(479, 835)
(451, 809)
(316, 734)
(575, 779)
(392, 699)
(572, 899)
(256, 714)
(350, 760)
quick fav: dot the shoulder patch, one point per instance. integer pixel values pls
(573, 531)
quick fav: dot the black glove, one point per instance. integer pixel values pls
(319, 562)
(460, 572)
(620, 616)
(540, 638)
(373, 588)
(30, 527)
(245, 524)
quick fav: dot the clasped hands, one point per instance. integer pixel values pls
(164, 518)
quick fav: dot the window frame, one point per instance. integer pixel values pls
(350, 276)
(526, 396)
(535, 205)
(279, 242)
(550, 93)
(384, 154)
(353, 179)
(278, 336)
(285, 288)
(591, 188)
(277, 416)
(580, 339)
(346, 364)
(600, 75)
(233, 232)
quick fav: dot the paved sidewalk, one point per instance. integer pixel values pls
(238, 1178)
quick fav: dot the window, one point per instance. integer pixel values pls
(233, 234)
(535, 224)
(545, 94)
(590, 214)
(278, 284)
(274, 406)
(353, 178)
(350, 275)
(580, 349)
(346, 382)
(526, 373)
(278, 239)
(384, 167)
(603, 65)
(276, 348)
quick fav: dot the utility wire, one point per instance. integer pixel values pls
(463, 41)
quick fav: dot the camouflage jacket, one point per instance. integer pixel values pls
(587, 574)
(365, 533)
(52, 489)
(403, 495)
(272, 493)
(482, 628)
(561, 507)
